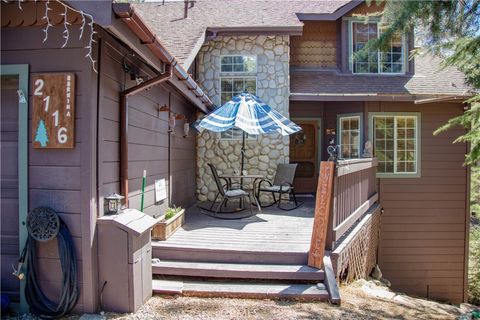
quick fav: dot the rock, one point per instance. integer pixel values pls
(209, 154)
(209, 143)
(253, 161)
(249, 153)
(257, 50)
(222, 166)
(270, 55)
(260, 40)
(269, 45)
(264, 159)
(262, 166)
(240, 45)
(237, 149)
(223, 144)
(278, 49)
(274, 154)
(265, 142)
(265, 151)
(232, 158)
(261, 59)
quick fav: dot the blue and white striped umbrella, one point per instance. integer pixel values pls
(249, 113)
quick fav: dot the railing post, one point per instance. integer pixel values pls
(332, 218)
(323, 206)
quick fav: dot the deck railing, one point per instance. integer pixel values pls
(354, 192)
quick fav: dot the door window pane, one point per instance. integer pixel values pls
(349, 140)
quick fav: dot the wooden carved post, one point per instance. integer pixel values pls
(322, 211)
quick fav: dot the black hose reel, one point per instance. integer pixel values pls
(43, 224)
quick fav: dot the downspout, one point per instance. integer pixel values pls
(124, 124)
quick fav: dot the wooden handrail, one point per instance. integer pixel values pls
(354, 192)
(345, 191)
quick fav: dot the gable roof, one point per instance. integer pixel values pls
(184, 37)
(429, 80)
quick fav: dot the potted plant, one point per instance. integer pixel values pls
(171, 221)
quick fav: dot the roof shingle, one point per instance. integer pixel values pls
(429, 79)
(181, 36)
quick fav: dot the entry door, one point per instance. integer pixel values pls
(9, 199)
(304, 151)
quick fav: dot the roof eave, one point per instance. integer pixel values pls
(329, 16)
(264, 30)
(297, 96)
(135, 23)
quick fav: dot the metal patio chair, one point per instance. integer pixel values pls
(282, 184)
(227, 191)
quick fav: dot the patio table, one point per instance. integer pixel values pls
(255, 177)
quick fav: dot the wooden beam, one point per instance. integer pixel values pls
(354, 216)
(354, 165)
(331, 280)
(322, 210)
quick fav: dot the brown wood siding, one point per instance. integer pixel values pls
(60, 179)
(316, 47)
(365, 9)
(148, 147)
(422, 247)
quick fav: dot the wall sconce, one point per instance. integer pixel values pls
(163, 108)
(186, 129)
(171, 124)
(113, 203)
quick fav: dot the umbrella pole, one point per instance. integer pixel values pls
(243, 159)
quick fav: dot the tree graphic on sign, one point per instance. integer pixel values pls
(41, 135)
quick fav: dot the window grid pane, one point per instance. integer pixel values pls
(350, 137)
(238, 64)
(390, 61)
(395, 143)
(230, 87)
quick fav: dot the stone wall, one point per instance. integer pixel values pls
(273, 86)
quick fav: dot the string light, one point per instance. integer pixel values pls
(46, 18)
(83, 25)
(66, 31)
(90, 46)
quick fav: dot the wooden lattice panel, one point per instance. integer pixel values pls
(357, 255)
(317, 47)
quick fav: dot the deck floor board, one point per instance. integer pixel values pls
(272, 230)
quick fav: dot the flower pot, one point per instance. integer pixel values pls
(165, 228)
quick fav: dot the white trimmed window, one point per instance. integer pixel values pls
(238, 73)
(391, 61)
(350, 136)
(231, 86)
(396, 144)
(239, 64)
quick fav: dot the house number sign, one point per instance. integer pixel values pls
(53, 119)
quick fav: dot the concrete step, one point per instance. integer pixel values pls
(165, 251)
(238, 270)
(307, 292)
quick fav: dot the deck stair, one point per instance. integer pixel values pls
(236, 273)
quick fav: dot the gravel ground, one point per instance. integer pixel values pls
(360, 300)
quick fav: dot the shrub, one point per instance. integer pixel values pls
(170, 212)
(474, 266)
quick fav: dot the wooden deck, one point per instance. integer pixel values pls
(263, 256)
(271, 232)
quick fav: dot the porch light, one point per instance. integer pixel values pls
(186, 129)
(114, 203)
(171, 124)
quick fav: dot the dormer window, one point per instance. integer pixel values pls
(392, 61)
